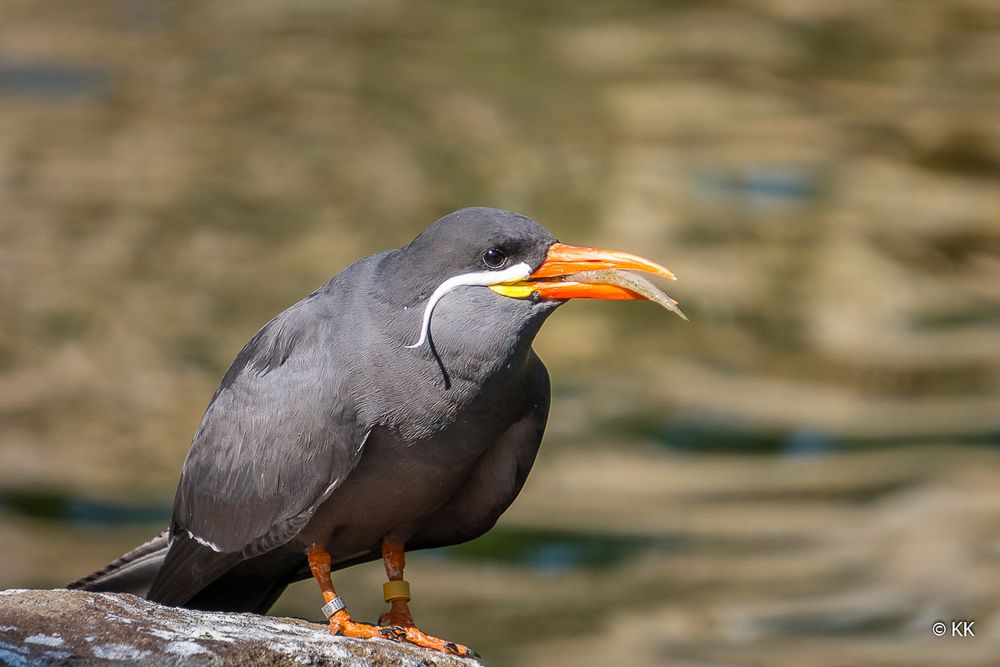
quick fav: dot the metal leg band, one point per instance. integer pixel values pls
(333, 606)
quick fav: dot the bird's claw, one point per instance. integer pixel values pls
(460, 650)
(394, 633)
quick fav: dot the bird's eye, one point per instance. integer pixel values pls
(494, 258)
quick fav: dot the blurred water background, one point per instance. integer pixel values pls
(806, 473)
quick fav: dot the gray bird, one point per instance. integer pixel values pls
(399, 405)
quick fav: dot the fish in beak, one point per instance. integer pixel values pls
(576, 272)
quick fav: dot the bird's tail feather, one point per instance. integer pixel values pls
(132, 573)
(136, 571)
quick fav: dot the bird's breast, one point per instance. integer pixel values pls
(395, 485)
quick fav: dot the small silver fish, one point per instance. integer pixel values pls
(630, 281)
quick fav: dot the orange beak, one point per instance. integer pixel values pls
(555, 279)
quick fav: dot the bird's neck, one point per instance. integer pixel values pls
(479, 349)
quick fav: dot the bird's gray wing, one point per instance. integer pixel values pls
(278, 437)
(497, 478)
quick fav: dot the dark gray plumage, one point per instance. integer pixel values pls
(327, 429)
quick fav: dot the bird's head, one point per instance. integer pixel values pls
(518, 259)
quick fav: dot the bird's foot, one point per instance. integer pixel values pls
(342, 624)
(401, 620)
(398, 628)
(399, 624)
(396, 616)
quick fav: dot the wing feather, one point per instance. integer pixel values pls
(280, 434)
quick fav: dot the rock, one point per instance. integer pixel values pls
(50, 627)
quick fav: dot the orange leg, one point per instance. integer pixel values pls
(341, 622)
(396, 625)
(398, 596)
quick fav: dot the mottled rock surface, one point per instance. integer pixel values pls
(52, 627)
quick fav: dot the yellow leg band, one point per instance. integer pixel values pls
(397, 589)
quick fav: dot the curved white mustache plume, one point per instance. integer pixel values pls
(479, 278)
